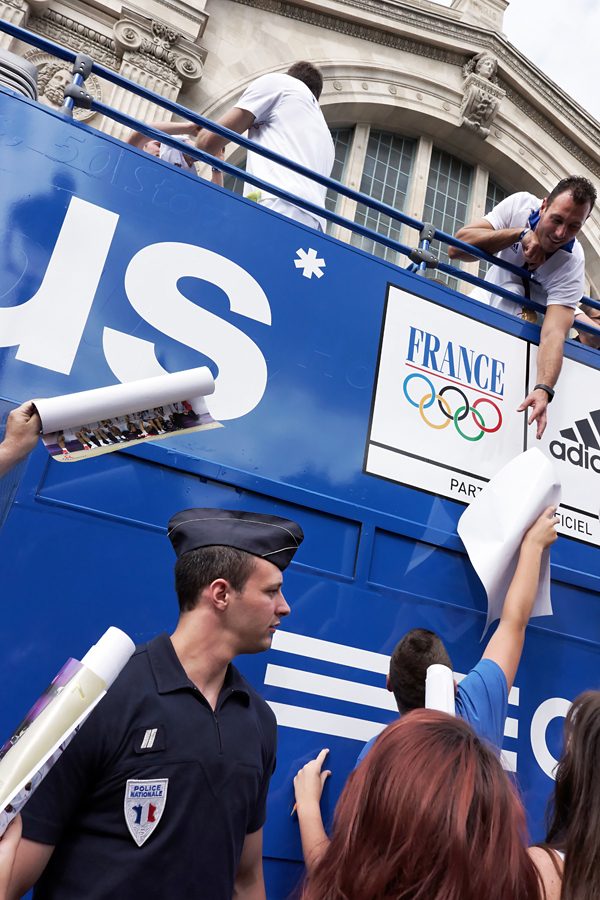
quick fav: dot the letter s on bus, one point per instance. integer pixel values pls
(151, 286)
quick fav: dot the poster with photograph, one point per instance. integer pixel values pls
(77, 426)
(106, 435)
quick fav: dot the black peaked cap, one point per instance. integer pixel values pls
(270, 537)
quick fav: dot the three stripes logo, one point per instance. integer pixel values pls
(581, 444)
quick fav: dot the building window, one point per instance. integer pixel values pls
(495, 195)
(342, 138)
(386, 177)
(446, 203)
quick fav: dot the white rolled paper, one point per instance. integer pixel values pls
(73, 410)
(439, 689)
(492, 528)
(109, 655)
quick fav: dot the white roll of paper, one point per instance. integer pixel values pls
(109, 655)
(439, 689)
(71, 410)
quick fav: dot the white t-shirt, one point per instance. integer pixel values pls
(176, 158)
(289, 121)
(561, 278)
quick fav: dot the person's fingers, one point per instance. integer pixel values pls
(321, 757)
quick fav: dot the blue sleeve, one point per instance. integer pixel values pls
(482, 700)
(365, 750)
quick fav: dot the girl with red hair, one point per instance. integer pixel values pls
(428, 815)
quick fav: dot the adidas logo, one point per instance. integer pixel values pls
(583, 439)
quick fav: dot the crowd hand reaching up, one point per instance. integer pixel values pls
(22, 434)
(542, 533)
(310, 781)
(8, 850)
(308, 785)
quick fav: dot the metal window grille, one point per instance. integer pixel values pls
(495, 195)
(386, 177)
(342, 138)
(446, 203)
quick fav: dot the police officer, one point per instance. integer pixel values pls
(163, 791)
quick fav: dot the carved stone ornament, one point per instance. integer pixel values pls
(482, 96)
(54, 76)
(158, 48)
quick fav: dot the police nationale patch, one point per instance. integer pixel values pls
(144, 805)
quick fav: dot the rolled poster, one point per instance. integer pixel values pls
(31, 751)
(91, 423)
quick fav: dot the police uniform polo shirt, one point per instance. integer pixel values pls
(156, 793)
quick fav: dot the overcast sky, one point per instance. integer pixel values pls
(561, 38)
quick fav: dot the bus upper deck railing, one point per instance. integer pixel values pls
(428, 233)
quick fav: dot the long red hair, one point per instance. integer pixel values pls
(428, 815)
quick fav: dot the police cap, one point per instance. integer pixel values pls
(270, 537)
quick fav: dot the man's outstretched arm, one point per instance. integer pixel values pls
(557, 322)
(238, 120)
(137, 139)
(483, 235)
(506, 644)
(308, 785)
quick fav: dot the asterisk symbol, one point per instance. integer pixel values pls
(310, 263)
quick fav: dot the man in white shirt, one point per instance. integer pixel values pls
(540, 236)
(282, 113)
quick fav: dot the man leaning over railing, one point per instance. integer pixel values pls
(540, 236)
(282, 113)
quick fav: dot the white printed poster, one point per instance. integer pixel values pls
(571, 442)
(444, 416)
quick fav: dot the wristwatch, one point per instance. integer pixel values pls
(549, 391)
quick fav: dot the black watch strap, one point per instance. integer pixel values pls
(548, 390)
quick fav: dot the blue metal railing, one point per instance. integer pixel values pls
(191, 116)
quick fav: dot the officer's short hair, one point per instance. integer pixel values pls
(410, 660)
(581, 190)
(309, 74)
(196, 569)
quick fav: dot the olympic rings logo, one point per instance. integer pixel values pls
(459, 415)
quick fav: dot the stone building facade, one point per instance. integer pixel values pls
(431, 108)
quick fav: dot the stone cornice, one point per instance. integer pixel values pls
(356, 29)
(465, 39)
(70, 33)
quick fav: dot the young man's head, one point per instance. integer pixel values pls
(564, 212)
(410, 660)
(229, 567)
(309, 75)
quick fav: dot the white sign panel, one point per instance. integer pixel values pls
(571, 442)
(444, 416)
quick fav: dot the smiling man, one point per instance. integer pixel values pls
(541, 237)
(163, 791)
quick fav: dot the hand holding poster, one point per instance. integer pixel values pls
(492, 528)
(91, 423)
(31, 751)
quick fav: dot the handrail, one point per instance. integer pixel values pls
(183, 112)
(209, 125)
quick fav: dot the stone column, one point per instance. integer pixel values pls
(156, 57)
(476, 211)
(17, 13)
(415, 202)
(352, 177)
